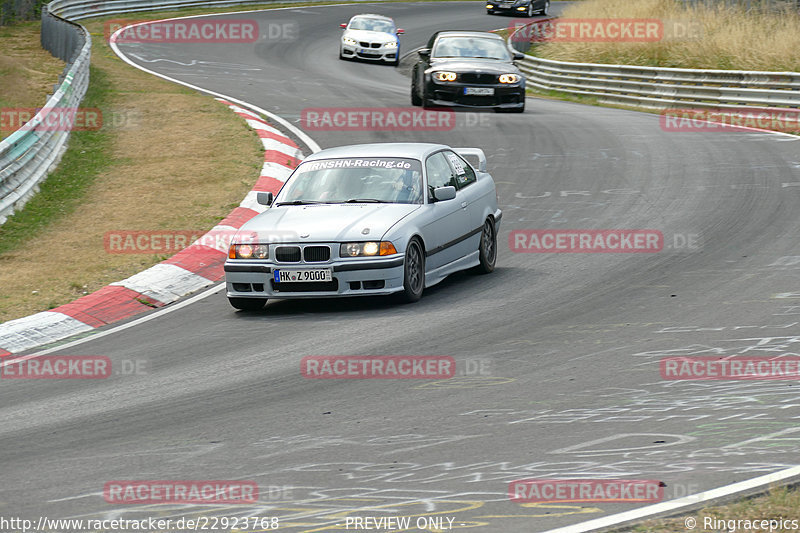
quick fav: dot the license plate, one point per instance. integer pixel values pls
(295, 276)
(479, 91)
(364, 51)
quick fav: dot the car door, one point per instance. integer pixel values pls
(472, 198)
(448, 219)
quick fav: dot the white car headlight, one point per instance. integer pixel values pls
(349, 41)
(509, 78)
(391, 44)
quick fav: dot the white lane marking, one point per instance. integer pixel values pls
(676, 505)
(115, 329)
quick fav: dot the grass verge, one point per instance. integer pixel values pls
(721, 36)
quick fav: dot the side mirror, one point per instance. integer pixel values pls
(343, 25)
(264, 198)
(518, 55)
(424, 52)
(441, 194)
(400, 31)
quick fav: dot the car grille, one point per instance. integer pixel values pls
(316, 254)
(472, 77)
(306, 286)
(287, 254)
(365, 44)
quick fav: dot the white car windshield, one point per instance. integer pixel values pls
(354, 180)
(371, 24)
(475, 47)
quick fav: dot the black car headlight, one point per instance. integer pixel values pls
(444, 75)
(509, 78)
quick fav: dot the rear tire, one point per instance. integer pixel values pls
(248, 304)
(413, 272)
(487, 250)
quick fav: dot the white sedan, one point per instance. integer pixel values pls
(370, 37)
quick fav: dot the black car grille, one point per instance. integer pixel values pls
(306, 286)
(365, 44)
(287, 254)
(316, 254)
(472, 77)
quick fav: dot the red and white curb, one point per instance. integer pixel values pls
(193, 268)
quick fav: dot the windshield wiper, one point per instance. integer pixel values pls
(365, 201)
(298, 202)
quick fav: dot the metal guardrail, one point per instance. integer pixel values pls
(29, 153)
(659, 87)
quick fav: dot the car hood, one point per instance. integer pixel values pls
(460, 64)
(324, 222)
(367, 35)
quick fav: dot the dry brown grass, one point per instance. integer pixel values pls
(164, 173)
(27, 72)
(729, 37)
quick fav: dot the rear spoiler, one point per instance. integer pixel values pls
(477, 152)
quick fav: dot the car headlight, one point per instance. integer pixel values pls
(521, 8)
(361, 249)
(509, 78)
(248, 251)
(489, 6)
(444, 75)
(349, 41)
(391, 44)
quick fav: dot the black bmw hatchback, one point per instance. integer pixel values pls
(468, 69)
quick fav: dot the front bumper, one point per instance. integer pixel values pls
(370, 54)
(353, 277)
(452, 95)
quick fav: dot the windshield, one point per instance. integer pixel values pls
(372, 25)
(476, 47)
(334, 181)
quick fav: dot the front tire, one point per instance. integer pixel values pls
(546, 9)
(487, 250)
(413, 272)
(248, 304)
(530, 9)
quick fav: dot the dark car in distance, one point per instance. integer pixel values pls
(518, 7)
(468, 69)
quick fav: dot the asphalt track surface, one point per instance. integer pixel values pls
(570, 343)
